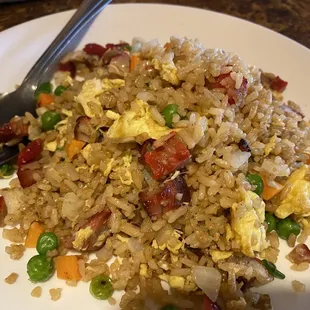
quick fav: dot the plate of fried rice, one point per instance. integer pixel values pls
(166, 167)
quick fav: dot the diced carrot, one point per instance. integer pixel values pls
(134, 60)
(74, 147)
(167, 45)
(68, 268)
(308, 160)
(45, 99)
(33, 235)
(270, 191)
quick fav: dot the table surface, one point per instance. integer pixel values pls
(288, 17)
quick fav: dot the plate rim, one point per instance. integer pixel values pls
(178, 6)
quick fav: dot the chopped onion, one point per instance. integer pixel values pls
(71, 206)
(104, 254)
(119, 65)
(300, 254)
(208, 279)
(237, 159)
(134, 245)
(12, 200)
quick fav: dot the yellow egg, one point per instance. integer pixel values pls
(144, 271)
(247, 223)
(218, 255)
(50, 146)
(81, 236)
(164, 277)
(189, 285)
(270, 145)
(124, 170)
(112, 115)
(122, 239)
(133, 123)
(229, 233)
(176, 282)
(86, 151)
(61, 127)
(297, 199)
(67, 112)
(167, 71)
(108, 168)
(88, 98)
(108, 84)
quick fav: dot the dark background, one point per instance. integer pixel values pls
(289, 17)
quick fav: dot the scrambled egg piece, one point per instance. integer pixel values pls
(108, 84)
(51, 146)
(86, 151)
(88, 98)
(112, 115)
(66, 112)
(60, 141)
(247, 223)
(270, 145)
(189, 285)
(132, 124)
(124, 170)
(297, 200)
(144, 271)
(179, 282)
(168, 71)
(173, 245)
(176, 282)
(164, 277)
(122, 239)
(108, 169)
(81, 236)
(229, 233)
(218, 255)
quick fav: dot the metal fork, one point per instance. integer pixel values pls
(22, 100)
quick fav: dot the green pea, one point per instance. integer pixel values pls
(169, 111)
(47, 241)
(271, 220)
(59, 90)
(6, 170)
(40, 268)
(45, 88)
(101, 287)
(272, 269)
(169, 307)
(49, 119)
(286, 227)
(256, 181)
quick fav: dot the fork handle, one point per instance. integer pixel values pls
(85, 13)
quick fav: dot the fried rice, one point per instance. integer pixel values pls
(181, 213)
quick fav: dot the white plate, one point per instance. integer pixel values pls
(22, 45)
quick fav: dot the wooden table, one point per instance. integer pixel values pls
(288, 17)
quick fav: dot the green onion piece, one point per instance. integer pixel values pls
(272, 269)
